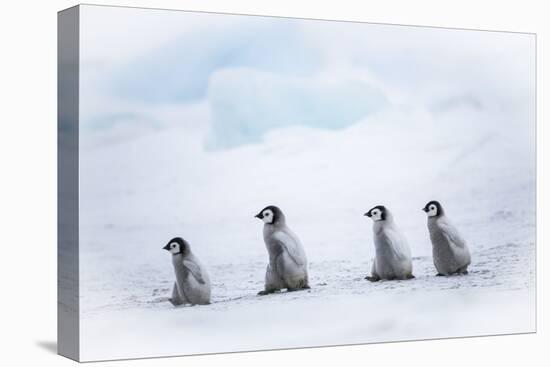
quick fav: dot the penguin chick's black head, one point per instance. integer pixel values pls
(271, 215)
(177, 245)
(433, 209)
(377, 213)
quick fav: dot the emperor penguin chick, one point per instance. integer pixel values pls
(192, 284)
(450, 252)
(393, 256)
(287, 266)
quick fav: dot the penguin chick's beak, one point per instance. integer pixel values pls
(368, 214)
(167, 247)
(425, 209)
(259, 216)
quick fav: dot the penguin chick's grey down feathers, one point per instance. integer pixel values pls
(192, 284)
(287, 266)
(392, 254)
(450, 252)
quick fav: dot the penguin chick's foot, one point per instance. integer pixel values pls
(440, 275)
(372, 279)
(465, 272)
(265, 293)
(410, 276)
(175, 302)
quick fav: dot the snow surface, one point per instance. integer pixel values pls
(137, 194)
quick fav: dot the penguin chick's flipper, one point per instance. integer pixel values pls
(293, 252)
(372, 279)
(195, 270)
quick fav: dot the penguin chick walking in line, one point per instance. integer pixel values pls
(393, 256)
(450, 251)
(192, 284)
(287, 266)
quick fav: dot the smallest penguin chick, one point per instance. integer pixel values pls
(192, 284)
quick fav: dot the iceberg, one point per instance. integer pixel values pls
(247, 103)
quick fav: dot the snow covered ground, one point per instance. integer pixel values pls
(137, 194)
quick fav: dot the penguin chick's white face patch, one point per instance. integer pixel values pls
(376, 215)
(432, 210)
(174, 248)
(267, 216)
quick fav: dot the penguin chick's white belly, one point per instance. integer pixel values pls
(393, 258)
(450, 252)
(192, 280)
(287, 261)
